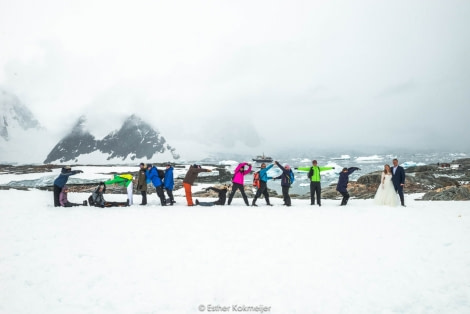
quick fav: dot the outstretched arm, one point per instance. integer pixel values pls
(213, 189)
(352, 169)
(279, 165)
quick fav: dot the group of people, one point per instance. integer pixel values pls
(161, 180)
(391, 184)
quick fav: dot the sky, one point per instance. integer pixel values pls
(247, 76)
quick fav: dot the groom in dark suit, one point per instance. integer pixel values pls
(398, 179)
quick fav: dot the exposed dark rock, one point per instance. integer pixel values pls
(135, 139)
(454, 193)
(77, 142)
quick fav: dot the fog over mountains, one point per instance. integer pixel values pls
(135, 139)
(14, 116)
(24, 140)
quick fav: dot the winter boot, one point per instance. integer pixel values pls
(85, 203)
(267, 202)
(246, 201)
(254, 202)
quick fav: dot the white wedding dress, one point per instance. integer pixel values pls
(386, 194)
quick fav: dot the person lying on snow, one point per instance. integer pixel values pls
(64, 201)
(222, 196)
(97, 199)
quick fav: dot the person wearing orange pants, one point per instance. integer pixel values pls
(189, 179)
(188, 194)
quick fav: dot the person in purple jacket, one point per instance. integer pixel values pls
(237, 180)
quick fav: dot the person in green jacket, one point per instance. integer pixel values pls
(315, 185)
(123, 180)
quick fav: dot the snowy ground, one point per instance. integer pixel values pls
(355, 259)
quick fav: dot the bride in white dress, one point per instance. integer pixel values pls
(386, 194)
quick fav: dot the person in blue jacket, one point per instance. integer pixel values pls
(342, 186)
(169, 183)
(263, 184)
(152, 176)
(61, 181)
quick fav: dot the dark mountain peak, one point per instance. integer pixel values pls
(78, 141)
(135, 139)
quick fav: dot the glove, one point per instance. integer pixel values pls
(79, 171)
(296, 168)
(333, 168)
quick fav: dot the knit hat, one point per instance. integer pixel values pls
(286, 166)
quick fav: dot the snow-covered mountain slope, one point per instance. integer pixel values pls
(15, 117)
(135, 140)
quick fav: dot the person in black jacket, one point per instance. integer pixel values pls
(286, 182)
(398, 179)
(61, 181)
(342, 186)
(222, 196)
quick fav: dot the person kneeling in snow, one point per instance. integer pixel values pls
(97, 199)
(64, 201)
(222, 196)
(124, 180)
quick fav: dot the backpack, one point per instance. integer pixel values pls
(161, 174)
(310, 173)
(256, 179)
(291, 177)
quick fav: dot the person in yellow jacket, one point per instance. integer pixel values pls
(123, 180)
(315, 178)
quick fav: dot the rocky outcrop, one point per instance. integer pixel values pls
(454, 193)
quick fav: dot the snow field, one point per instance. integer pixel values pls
(304, 259)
